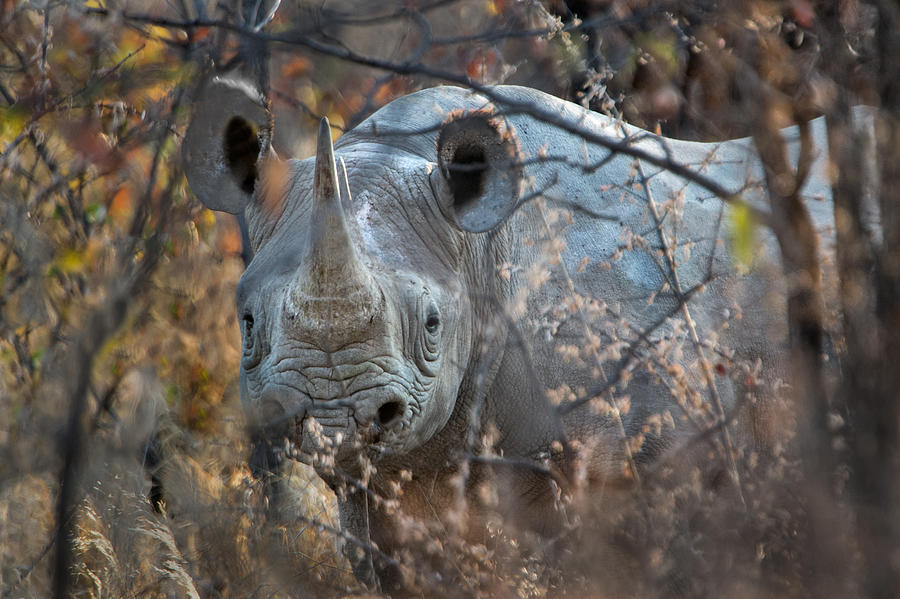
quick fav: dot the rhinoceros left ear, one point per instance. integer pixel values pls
(229, 132)
(481, 170)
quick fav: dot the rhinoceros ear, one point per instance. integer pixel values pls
(229, 132)
(481, 170)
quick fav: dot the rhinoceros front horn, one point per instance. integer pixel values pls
(331, 268)
(228, 134)
(481, 170)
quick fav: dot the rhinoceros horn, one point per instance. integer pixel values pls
(331, 271)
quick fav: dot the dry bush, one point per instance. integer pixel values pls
(123, 449)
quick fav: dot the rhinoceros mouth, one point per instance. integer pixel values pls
(323, 428)
(339, 431)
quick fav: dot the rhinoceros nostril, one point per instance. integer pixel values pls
(390, 413)
(272, 418)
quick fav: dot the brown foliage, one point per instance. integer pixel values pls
(123, 451)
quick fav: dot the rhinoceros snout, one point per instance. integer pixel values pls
(337, 426)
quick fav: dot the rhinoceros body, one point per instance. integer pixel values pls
(458, 267)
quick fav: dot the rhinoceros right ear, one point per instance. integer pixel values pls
(481, 170)
(229, 132)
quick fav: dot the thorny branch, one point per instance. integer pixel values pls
(628, 361)
(508, 106)
(103, 321)
(867, 267)
(675, 284)
(101, 324)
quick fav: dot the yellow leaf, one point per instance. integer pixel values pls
(12, 121)
(72, 261)
(207, 219)
(743, 235)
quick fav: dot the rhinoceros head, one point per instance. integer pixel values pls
(359, 314)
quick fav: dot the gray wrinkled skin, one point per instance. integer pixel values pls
(375, 326)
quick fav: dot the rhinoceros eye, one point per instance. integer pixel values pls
(248, 328)
(433, 321)
(427, 341)
(251, 345)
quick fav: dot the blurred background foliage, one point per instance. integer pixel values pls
(119, 346)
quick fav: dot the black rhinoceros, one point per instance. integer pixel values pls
(473, 265)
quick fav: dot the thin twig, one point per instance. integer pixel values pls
(629, 359)
(692, 330)
(508, 104)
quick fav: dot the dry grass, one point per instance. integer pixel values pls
(213, 534)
